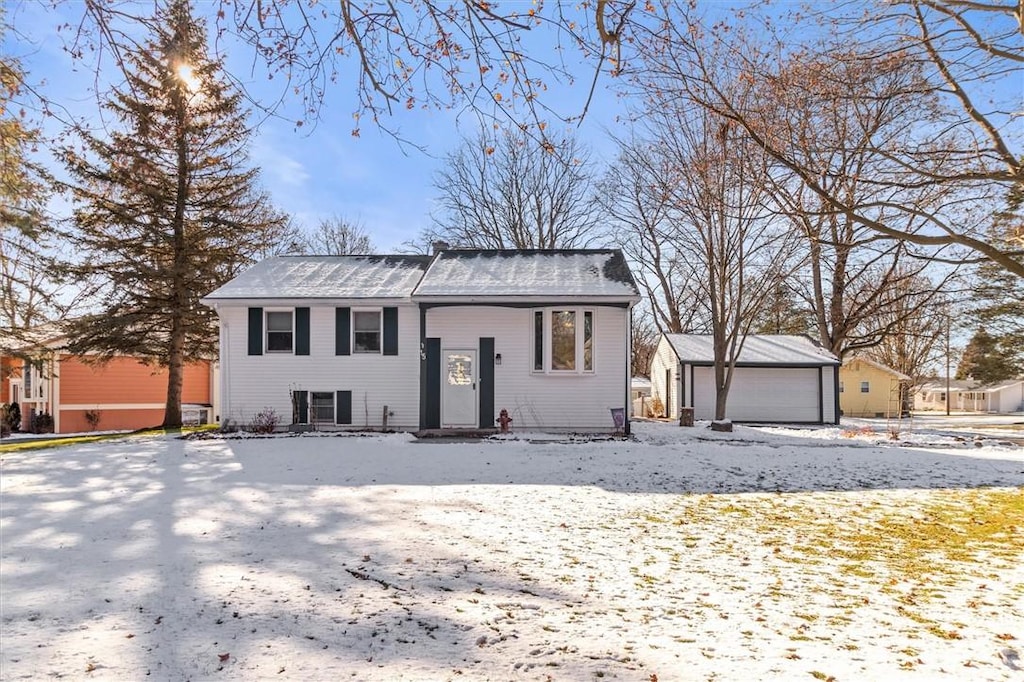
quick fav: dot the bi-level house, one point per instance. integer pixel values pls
(429, 342)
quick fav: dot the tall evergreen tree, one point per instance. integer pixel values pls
(998, 297)
(987, 360)
(167, 209)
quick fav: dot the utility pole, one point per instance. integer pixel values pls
(949, 324)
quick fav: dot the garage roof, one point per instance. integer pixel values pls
(758, 350)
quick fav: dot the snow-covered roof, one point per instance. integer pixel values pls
(512, 274)
(970, 385)
(326, 277)
(640, 382)
(47, 335)
(877, 365)
(758, 349)
(592, 274)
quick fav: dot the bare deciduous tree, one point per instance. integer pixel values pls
(916, 326)
(509, 191)
(338, 236)
(393, 57)
(732, 251)
(26, 277)
(961, 151)
(644, 342)
(636, 198)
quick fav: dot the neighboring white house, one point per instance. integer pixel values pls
(970, 396)
(640, 395)
(786, 379)
(426, 342)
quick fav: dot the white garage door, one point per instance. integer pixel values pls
(761, 394)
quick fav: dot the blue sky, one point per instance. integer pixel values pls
(316, 171)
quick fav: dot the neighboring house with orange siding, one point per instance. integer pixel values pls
(124, 392)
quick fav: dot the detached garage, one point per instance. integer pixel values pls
(786, 379)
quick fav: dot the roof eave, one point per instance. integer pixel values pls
(531, 298)
(294, 301)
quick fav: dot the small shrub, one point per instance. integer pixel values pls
(42, 423)
(92, 417)
(229, 426)
(658, 407)
(10, 416)
(264, 421)
(5, 422)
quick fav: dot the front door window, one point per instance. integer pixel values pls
(458, 400)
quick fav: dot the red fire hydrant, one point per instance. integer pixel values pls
(504, 420)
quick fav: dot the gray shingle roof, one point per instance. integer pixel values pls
(758, 349)
(326, 277)
(454, 274)
(579, 273)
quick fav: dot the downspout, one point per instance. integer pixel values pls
(629, 371)
(680, 390)
(55, 392)
(835, 393)
(423, 367)
(821, 394)
(693, 389)
(224, 408)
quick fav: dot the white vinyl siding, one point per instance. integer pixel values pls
(665, 359)
(554, 400)
(253, 382)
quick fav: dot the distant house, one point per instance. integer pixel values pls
(428, 342)
(870, 389)
(123, 393)
(778, 378)
(640, 396)
(971, 396)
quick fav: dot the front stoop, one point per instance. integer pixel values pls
(455, 433)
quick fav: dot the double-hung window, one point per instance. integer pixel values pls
(33, 383)
(280, 331)
(366, 332)
(563, 341)
(865, 387)
(26, 372)
(322, 407)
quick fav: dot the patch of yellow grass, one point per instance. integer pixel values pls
(46, 443)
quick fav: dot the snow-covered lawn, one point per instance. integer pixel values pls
(682, 555)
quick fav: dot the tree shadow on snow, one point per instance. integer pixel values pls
(186, 566)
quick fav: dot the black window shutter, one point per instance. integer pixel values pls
(343, 414)
(255, 331)
(343, 331)
(301, 415)
(486, 373)
(391, 331)
(302, 331)
(430, 403)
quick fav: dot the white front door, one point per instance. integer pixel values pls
(458, 388)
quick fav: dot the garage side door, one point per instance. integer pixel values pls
(761, 394)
